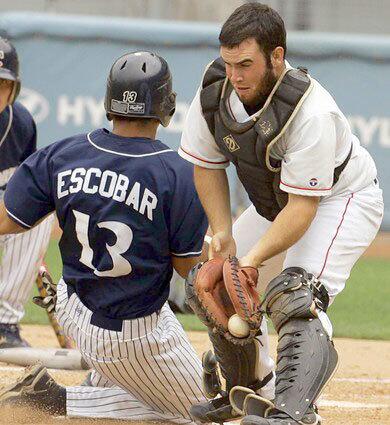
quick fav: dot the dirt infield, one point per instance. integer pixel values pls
(359, 393)
(380, 248)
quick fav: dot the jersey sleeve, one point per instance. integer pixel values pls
(28, 195)
(309, 162)
(31, 146)
(188, 221)
(197, 143)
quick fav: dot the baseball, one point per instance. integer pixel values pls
(238, 327)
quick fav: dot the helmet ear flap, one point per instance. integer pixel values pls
(170, 108)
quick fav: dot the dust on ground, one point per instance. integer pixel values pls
(359, 393)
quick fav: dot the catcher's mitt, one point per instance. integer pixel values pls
(223, 288)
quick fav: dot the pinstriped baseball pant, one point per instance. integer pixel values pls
(149, 368)
(22, 255)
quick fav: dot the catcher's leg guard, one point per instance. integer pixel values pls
(306, 356)
(237, 363)
(211, 382)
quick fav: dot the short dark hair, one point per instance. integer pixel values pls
(258, 21)
(141, 121)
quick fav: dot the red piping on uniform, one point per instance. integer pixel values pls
(203, 160)
(334, 237)
(303, 188)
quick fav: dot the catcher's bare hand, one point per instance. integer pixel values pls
(222, 245)
(49, 299)
(247, 261)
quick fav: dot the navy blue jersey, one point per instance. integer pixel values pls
(18, 140)
(125, 205)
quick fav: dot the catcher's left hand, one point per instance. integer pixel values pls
(48, 292)
(222, 288)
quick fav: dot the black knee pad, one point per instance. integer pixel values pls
(294, 294)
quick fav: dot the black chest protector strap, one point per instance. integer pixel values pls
(273, 119)
(248, 145)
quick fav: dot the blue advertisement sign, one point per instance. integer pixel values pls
(65, 61)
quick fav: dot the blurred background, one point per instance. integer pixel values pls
(66, 48)
(352, 16)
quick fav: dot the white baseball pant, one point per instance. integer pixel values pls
(341, 231)
(22, 255)
(149, 368)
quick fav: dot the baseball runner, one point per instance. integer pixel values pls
(21, 254)
(129, 213)
(314, 193)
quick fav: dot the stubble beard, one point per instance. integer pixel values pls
(263, 89)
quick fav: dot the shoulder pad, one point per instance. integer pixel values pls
(215, 72)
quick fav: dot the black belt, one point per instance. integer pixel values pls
(102, 321)
(98, 319)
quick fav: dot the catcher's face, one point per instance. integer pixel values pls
(6, 87)
(248, 70)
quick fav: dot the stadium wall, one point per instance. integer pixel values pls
(65, 61)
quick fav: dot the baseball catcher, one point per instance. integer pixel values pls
(217, 290)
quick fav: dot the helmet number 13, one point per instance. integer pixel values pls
(124, 237)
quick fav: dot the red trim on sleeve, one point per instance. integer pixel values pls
(203, 160)
(303, 188)
(334, 237)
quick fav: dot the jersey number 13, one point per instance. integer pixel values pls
(124, 237)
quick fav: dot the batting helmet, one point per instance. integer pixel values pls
(140, 86)
(9, 66)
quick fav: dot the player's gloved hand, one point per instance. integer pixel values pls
(47, 290)
(224, 289)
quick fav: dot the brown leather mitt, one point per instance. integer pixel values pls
(223, 289)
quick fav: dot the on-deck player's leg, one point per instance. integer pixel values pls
(22, 256)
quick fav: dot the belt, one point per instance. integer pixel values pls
(102, 321)
(98, 319)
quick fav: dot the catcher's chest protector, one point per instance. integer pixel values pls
(248, 144)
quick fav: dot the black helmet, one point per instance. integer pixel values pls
(140, 85)
(9, 66)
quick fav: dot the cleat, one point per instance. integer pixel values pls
(10, 336)
(218, 410)
(36, 388)
(256, 405)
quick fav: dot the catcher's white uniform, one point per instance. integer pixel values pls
(318, 140)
